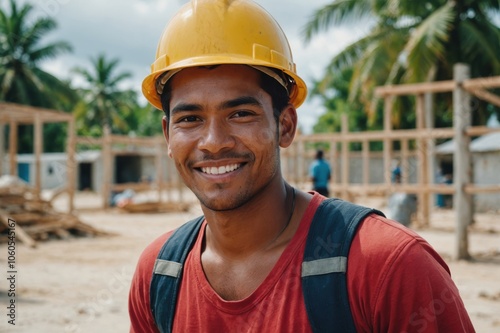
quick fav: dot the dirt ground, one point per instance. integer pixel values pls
(81, 284)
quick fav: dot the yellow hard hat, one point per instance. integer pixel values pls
(214, 32)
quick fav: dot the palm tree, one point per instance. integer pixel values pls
(410, 41)
(21, 53)
(104, 103)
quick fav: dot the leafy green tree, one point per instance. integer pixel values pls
(21, 78)
(21, 53)
(104, 102)
(145, 121)
(411, 41)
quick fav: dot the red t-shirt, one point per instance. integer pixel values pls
(396, 283)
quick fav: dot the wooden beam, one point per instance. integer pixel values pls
(107, 157)
(435, 133)
(388, 103)
(13, 148)
(71, 164)
(486, 95)
(480, 130)
(423, 178)
(476, 189)
(366, 162)
(345, 155)
(2, 145)
(414, 88)
(38, 143)
(484, 82)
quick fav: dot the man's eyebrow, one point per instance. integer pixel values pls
(243, 100)
(183, 107)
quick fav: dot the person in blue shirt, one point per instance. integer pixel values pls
(320, 174)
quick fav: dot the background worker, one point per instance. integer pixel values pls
(225, 78)
(320, 174)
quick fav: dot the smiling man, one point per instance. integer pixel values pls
(266, 257)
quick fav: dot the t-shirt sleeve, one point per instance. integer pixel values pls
(405, 286)
(141, 317)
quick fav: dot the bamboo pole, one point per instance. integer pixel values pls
(461, 162)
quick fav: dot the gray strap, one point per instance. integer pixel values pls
(169, 268)
(324, 266)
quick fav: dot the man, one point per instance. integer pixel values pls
(320, 174)
(225, 78)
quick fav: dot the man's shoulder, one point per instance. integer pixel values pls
(150, 253)
(384, 242)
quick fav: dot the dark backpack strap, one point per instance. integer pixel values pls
(324, 281)
(167, 273)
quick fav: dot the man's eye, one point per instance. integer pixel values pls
(240, 114)
(188, 119)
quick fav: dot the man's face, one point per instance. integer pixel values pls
(222, 134)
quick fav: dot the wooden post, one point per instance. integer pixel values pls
(38, 137)
(71, 164)
(345, 157)
(2, 145)
(431, 144)
(107, 165)
(301, 163)
(462, 170)
(13, 148)
(388, 101)
(423, 197)
(159, 170)
(404, 162)
(366, 165)
(333, 163)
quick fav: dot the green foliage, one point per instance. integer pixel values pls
(21, 53)
(103, 101)
(410, 41)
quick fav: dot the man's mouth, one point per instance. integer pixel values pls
(220, 170)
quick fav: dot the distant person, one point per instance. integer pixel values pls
(320, 174)
(396, 172)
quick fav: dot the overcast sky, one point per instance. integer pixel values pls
(130, 30)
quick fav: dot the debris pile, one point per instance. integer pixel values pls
(33, 218)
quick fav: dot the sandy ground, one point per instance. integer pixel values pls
(81, 284)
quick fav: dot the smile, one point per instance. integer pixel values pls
(220, 170)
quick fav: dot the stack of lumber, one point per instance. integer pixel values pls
(35, 219)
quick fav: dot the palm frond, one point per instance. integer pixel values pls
(427, 44)
(335, 14)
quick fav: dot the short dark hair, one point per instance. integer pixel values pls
(278, 93)
(319, 154)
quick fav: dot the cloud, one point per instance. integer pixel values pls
(130, 30)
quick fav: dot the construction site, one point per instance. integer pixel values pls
(81, 218)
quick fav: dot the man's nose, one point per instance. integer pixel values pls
(217, 136)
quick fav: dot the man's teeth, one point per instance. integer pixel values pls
(220, 170)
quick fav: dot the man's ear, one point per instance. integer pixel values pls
(287, 125)
(164, 124)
